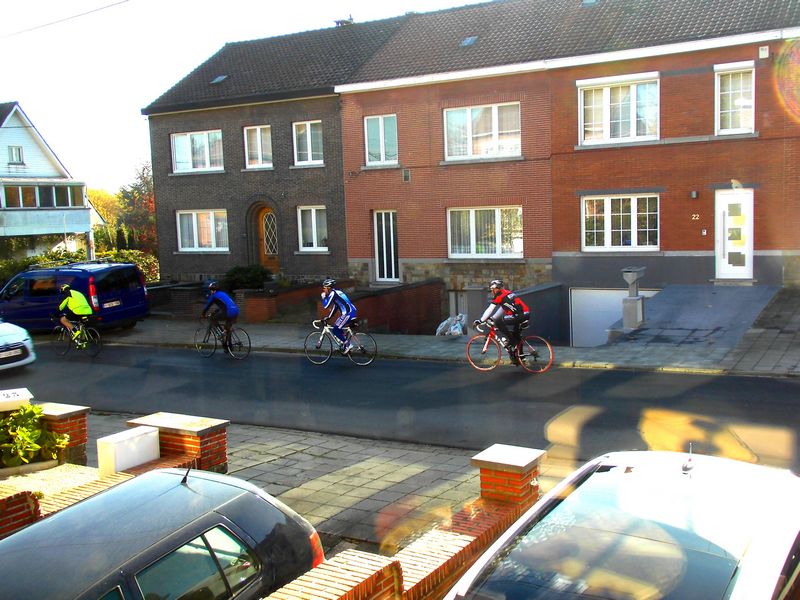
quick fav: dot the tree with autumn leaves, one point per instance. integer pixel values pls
(130, 219)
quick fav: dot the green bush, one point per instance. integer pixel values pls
(10, 267)
(146, 262)
(24, 439)
(250, 277)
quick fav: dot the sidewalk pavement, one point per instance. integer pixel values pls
(770, 347)
(378, 495)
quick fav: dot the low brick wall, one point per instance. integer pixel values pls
(17, 510)
(204, 438)
(415, 308)
(428, 567)
(71, 420)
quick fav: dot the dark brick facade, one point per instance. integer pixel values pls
(243, 193)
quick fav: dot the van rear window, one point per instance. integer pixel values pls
(118, 279)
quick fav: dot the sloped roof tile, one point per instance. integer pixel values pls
(287, 66)
(505, 32)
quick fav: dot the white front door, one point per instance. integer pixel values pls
(733, 244)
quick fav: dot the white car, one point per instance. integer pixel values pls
(16, 346)
(632, 525)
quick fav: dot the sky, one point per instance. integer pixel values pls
(82, 70)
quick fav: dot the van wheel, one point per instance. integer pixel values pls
(128, 325)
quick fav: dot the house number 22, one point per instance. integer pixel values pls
(695, 217)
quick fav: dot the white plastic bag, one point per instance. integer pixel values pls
(459, 325)
(444, 326)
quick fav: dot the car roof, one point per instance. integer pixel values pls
(713, 521)
(91, 266)
(81, 544)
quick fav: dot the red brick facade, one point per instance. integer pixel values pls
(687, 159)
(422, 202)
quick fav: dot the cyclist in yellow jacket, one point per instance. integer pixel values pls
(73, 307)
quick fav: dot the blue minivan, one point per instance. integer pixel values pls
(116, 292)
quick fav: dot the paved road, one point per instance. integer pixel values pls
(574, 413)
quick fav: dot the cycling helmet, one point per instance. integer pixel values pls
(329, 283)
(496, 283)
(213, 286)
(65, 288)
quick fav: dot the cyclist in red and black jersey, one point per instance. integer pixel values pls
(507, 312)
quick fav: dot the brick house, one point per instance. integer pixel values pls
(534, 140)
(246, 156)
(622, 133)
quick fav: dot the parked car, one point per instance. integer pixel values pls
(16, 346)
(650, 525)
(165, 534)
(116, 292)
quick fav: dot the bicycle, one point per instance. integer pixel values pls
(319, 344)
(87, 339)
(206, 338)
(484, 351)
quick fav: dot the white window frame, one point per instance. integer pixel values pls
(207, 151)
(196, 247)
(471, 155)
(473, 253)
(15, 155)
(314, 234)
(262, 162)
(607, 224)
(744, 67)
(310, 160)
(382, 140)
(604, 85)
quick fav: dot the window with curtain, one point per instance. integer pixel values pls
(258, 146)
(380, 133)
(197, 151)
(308, 143)
(312, 224)
(620, 223)
(485, 232)
(202, 230)
(614, 110)
(487, 131)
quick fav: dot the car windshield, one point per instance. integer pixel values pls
(623, 533)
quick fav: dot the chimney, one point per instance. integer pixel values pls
(344, 22)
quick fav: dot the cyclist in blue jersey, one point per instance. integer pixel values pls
(336, 299)
(224, 308)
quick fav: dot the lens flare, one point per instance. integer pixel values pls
(787, 78)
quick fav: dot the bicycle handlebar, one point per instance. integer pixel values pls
(317, 323)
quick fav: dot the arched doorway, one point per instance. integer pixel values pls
(268, 240)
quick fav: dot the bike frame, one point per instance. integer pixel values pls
(327, 329)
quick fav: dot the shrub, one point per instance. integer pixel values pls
(250, 277)
(24, 439)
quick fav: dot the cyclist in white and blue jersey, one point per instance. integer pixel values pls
(336, 299)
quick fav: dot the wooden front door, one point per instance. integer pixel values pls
(268, 240)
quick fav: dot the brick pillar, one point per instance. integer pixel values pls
(69, 419)
(509, 473)
(16, 511)
(205, 438)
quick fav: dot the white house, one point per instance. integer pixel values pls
(38, 196)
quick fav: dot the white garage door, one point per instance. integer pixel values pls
(593, 311)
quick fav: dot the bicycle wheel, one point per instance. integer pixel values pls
(363, 350)
(240, 344)
(93, 341)
(60, 340)
(318, 347)
(205, 341)
(483, 353)
(535, 354)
